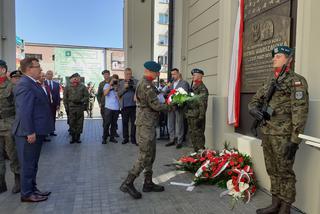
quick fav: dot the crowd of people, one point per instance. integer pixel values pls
(30, 98)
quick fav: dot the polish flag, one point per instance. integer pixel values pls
(235, 69)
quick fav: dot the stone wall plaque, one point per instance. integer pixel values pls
(261, 34)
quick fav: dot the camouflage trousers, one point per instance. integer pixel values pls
(196, 130)
(279, 169)
(146, 139)
(76, 118)
(8, 147)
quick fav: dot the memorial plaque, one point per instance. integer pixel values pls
(262, 33)
(256, 7)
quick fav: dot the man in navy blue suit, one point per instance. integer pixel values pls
(54, 88)
(32, 123)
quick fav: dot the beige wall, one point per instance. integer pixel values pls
(204, 39)
(138, 21)
(46, 51)
(8, 33)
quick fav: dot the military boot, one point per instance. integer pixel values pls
(285, 208)
(273, 208)
(3, 185)
(127, 186)
(78, 138)
(73, 138)
(149, 186)
(16, 188)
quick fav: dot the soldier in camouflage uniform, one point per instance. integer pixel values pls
(92, 97)
(7, 144)
(280, 139)
(75, 99)
(148, 108)
(195, 111)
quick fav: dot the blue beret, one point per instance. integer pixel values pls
(75, 75)
(197, 71)
(152, 66)
(281, 49)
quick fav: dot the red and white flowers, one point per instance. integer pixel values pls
(228, 169)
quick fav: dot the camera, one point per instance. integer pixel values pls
(115, 82)
(130, 83)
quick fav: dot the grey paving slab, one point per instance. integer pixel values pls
(85, 178)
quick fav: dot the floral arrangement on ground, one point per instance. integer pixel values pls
(227, 169)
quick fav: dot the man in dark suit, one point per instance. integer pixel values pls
(176, 118)
(54, 89)
(32, 123)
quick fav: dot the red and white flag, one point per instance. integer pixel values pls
(235, 69)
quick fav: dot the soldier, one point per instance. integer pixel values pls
(7, 144)
(280, 140)
(15, 76)
(75, 99)
(92, 96)
(195, 111)
(148, 107)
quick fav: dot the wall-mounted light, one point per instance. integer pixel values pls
(3, 38)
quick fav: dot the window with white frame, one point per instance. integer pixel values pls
(164, 1)
(163, 40)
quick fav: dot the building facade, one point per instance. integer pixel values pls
(203, 37)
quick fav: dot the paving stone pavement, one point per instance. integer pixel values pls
(85, 178)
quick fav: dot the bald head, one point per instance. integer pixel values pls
(49, 75)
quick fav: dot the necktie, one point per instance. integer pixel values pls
(51, 85)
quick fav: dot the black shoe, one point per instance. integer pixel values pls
(78, 138)
(104, 141)
(53, 134)
(170, 144)
(113, 140)
(134, 142)
(125, 141)
(116, 135)
(179, 146)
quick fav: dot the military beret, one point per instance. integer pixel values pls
(281, 49)
(3, 64)
(197, 71)
(152, 66)
(15, 73)
(75, 75)
(105, 71)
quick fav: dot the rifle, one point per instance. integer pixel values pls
(264, 107)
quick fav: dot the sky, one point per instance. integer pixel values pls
(97, 23)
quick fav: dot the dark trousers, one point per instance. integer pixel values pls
(110, 122)
(54, 111)
(129, 114)
(28, 155)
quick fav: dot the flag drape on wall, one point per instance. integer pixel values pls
(235, 69)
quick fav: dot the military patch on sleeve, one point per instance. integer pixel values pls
(299, 95)
(148, 86)
(297, 83)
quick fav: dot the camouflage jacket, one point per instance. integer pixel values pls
(75, 96)
(100, 96)
(198, 107)
(148, 104)
(7, 107)
(290, 104)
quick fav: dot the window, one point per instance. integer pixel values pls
(37, 56)
(163, 40)
(163, 18)
(163, 60)
(164, 1)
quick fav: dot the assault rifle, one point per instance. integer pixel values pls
(263, 106)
